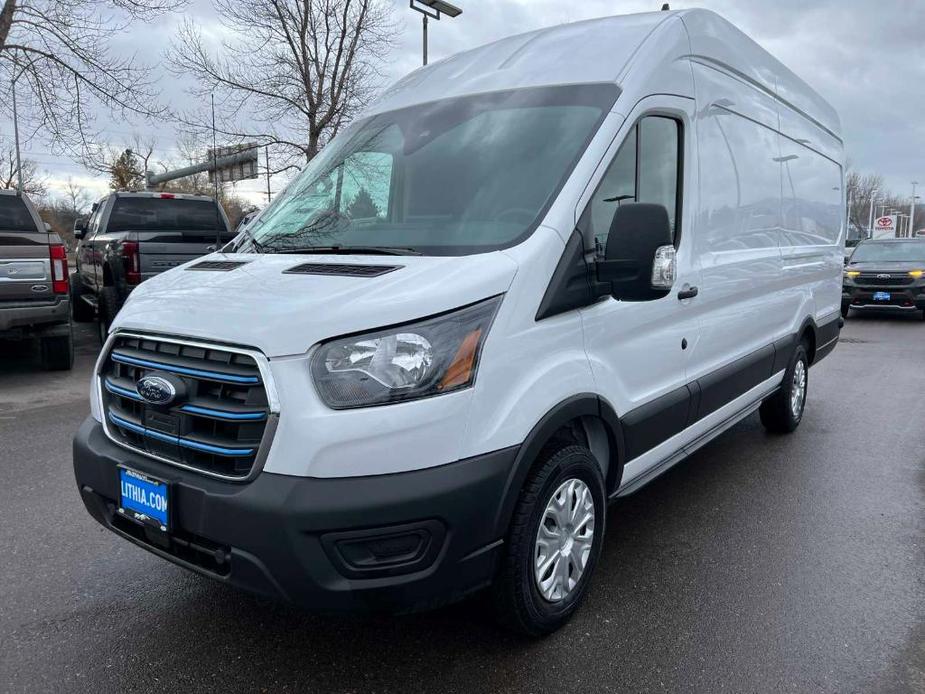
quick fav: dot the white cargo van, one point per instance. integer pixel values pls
(530, 279)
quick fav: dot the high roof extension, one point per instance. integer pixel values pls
(608, 50)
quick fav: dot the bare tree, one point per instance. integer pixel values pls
(58, 53)
(34, 183)
(75, 199)
(293, 74)
(126, 166)
(861, 190)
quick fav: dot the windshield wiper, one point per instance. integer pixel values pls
(258, 247)
(337, 249)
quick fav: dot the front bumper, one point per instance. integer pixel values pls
(35, 317)
(318, 542)
(909, 297)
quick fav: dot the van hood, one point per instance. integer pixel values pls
(260, 305)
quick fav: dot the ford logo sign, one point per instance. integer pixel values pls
(156, 390)
(884, 276)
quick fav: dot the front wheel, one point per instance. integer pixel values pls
(781, 413)
(553, 543)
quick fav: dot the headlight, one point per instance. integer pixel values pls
(916, 274)
(851, 274)
(431, 357)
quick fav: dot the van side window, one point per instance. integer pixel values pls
(645, 169)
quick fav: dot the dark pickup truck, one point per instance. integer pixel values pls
(130, 237)
(34, 292)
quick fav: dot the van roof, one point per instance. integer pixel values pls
(600, 50)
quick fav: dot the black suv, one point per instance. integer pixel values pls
(885, 273)
(130, 237)
(34, 292)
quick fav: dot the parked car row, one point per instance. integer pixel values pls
(128, 238)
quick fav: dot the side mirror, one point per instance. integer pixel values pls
(80, 227)
(639, 259)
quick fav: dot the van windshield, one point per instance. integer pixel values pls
(890, 251)
(14, 215)
(451, 177)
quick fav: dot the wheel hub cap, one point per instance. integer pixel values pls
(563, 540)
(798, 389)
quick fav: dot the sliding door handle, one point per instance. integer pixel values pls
(687, 292)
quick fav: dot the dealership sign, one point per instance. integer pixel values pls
(885, 227)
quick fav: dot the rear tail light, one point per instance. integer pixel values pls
(131, 262)
(59, 281)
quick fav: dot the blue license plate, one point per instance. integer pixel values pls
(881, 296)
(144, 499)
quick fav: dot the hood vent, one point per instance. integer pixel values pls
(218, 265)
(342, 270)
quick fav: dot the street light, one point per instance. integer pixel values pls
(912, 211)
(433, 9)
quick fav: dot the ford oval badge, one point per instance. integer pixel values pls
(156, 390)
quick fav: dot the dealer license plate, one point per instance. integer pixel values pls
(144, 499)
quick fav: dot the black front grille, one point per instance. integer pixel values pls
(875, 281)
(342, 270)
(216, 425)
(218, 265)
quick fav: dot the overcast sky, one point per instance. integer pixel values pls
(867, 57)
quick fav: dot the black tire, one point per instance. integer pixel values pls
(518, 602)
(58, 352)
(109, 306)
(844, 311)
(81, 311)
(777, 412)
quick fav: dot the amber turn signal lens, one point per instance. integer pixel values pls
(459, 372)
(916, 274)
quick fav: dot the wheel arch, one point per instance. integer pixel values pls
(808, 332)
(585, 415)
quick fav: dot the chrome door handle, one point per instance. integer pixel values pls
(687, 292)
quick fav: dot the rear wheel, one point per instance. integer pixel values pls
(58, 352)
(108, 308)
(844, 310)
(783, 411)
(81, 311)
(553, 543)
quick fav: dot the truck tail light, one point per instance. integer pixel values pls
(59, 280)
(131, 262)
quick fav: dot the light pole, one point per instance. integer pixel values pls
(912, 211)
(433, 9)
(16, 134)
(870, 217)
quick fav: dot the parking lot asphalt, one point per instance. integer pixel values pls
(761, 564)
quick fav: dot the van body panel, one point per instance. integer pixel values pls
(528, 366)
(299, 310)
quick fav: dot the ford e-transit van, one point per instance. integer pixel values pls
(530, 279)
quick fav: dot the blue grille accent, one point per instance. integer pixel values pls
(124, 392)
(221, 414)
(211, 375)
(192, 409)
(179, 440)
